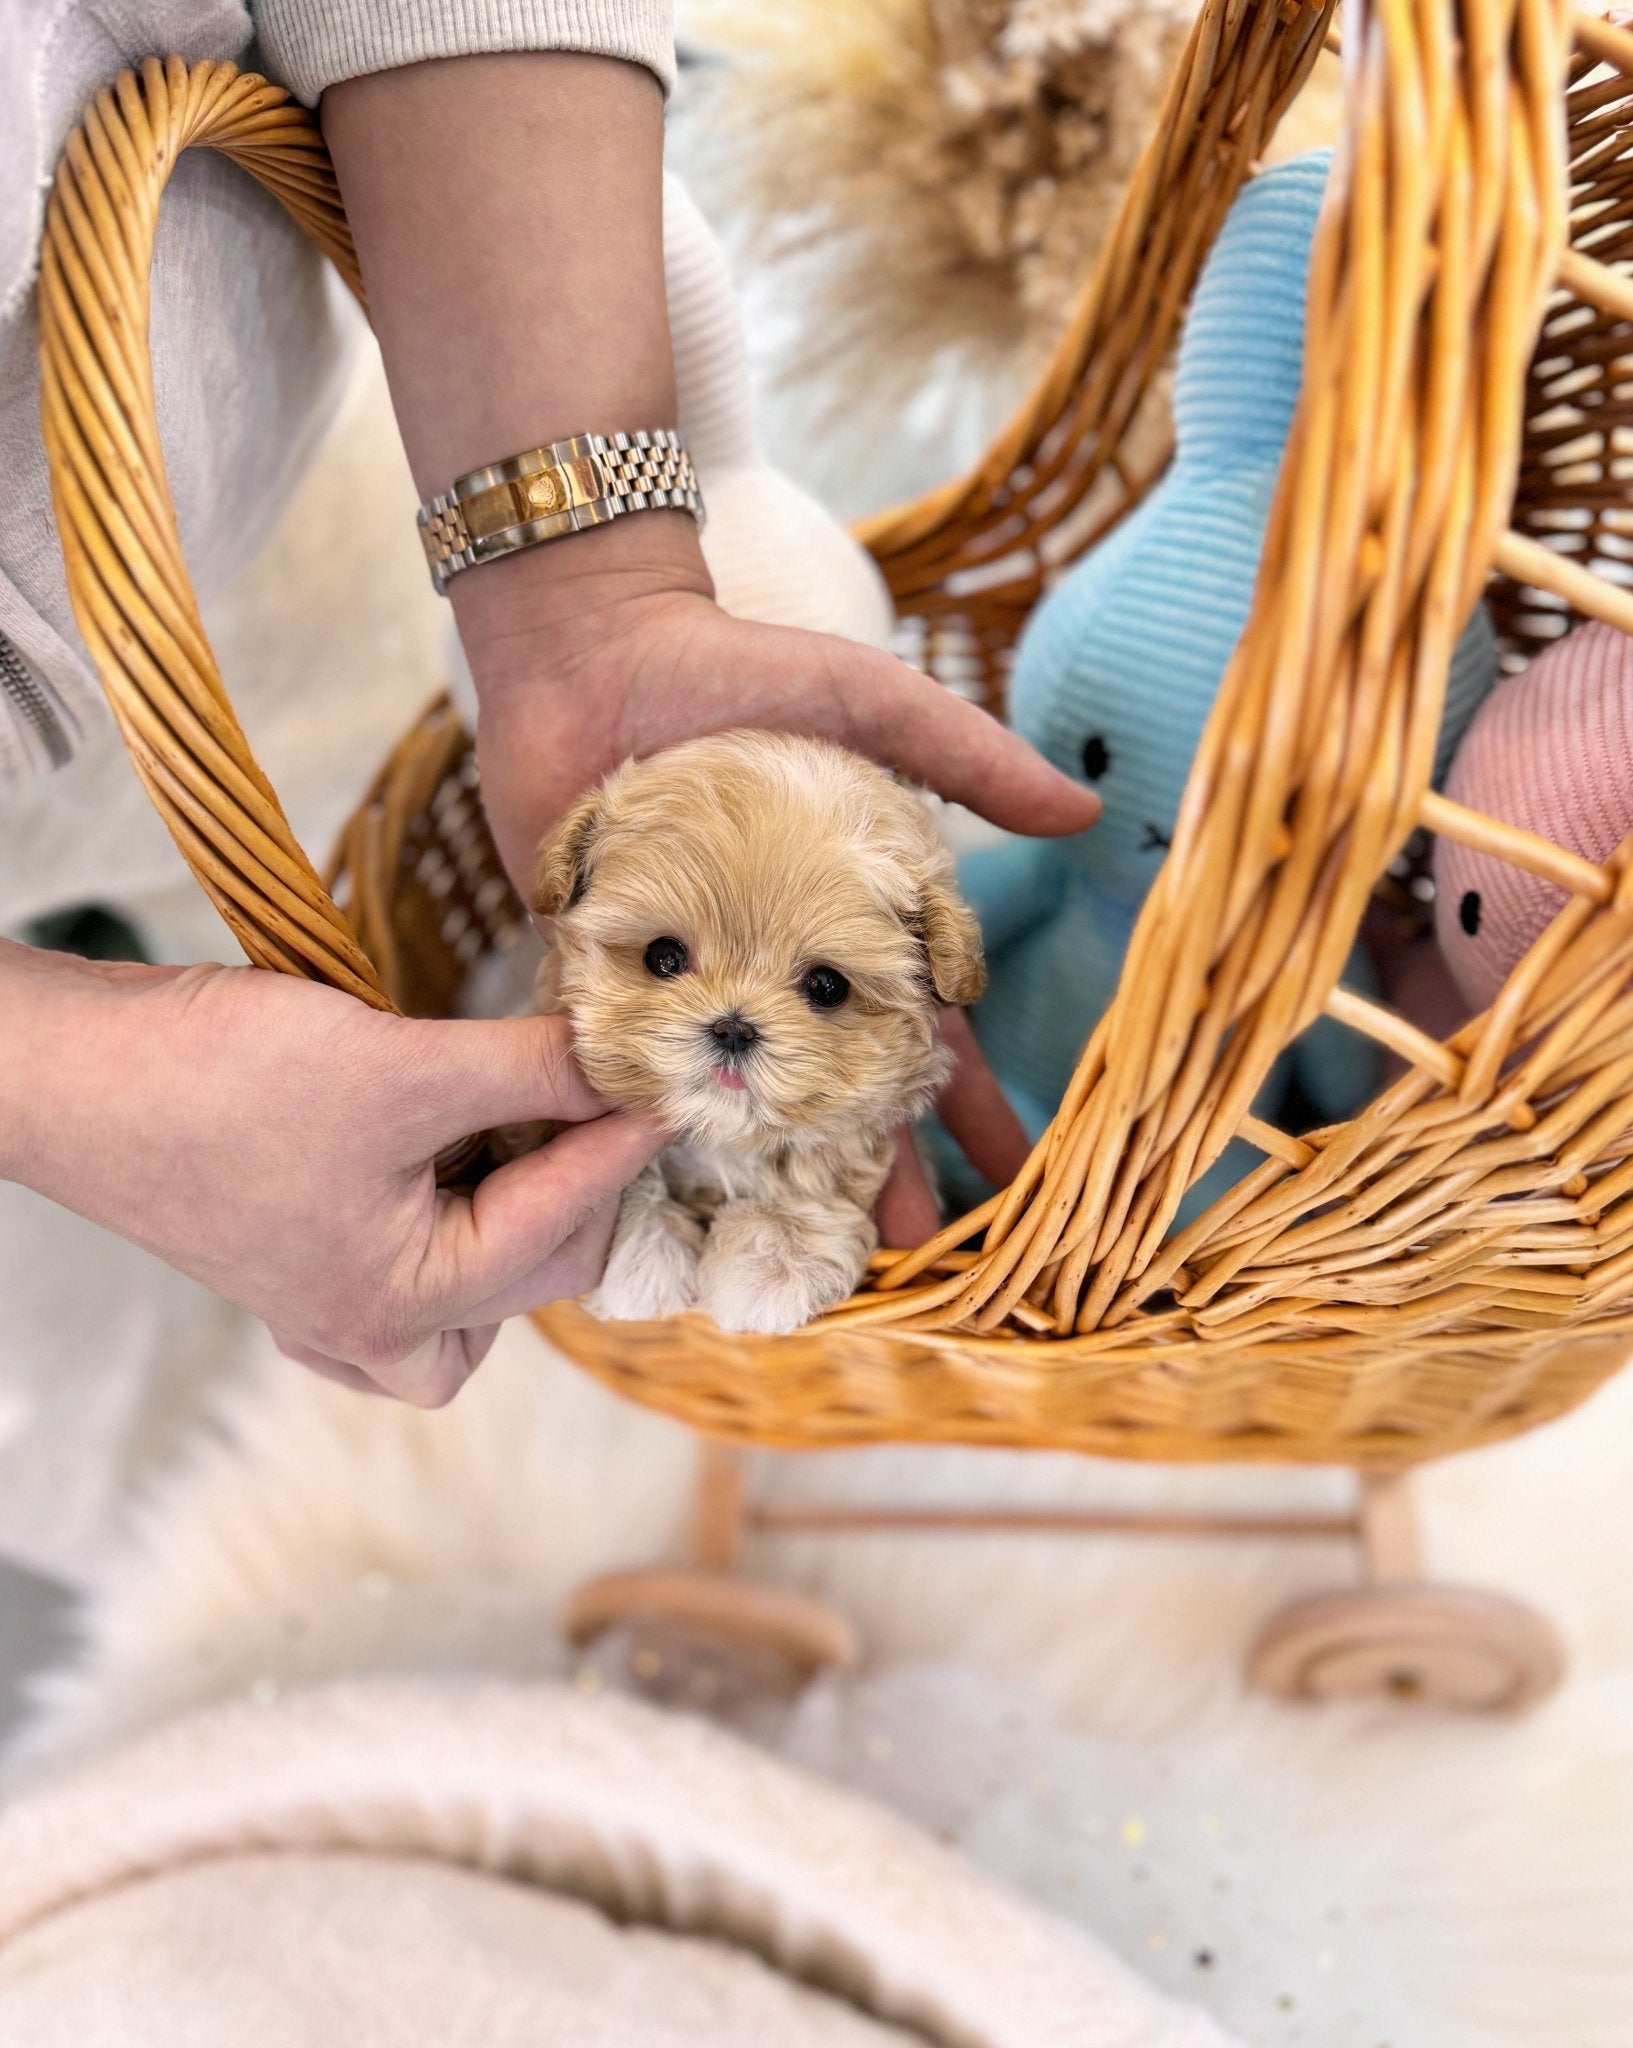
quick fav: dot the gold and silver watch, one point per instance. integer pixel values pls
(548, 492)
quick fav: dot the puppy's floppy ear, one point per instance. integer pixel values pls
(951, 937)
(564, 859)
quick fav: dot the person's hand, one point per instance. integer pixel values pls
(979, 1120)
(585, 659)
(275, 1140)
(518, 295)
(581, 663)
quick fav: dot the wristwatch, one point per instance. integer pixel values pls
(546, 493)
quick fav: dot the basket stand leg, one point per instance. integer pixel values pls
(719, 1516)
(1399, 1635)
(1387, 1519)
(703, 1634)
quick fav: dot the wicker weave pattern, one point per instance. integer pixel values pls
(424, 888)
(1455, 1264)
(970, 559)
(1162, 1397)
(1574, 484)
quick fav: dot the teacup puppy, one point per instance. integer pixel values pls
(751, 935)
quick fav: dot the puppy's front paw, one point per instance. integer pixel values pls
(651, 1270)
(765, 1274)
(655, 1279)
(756, 1299)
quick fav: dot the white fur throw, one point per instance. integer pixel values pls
(380, 1862)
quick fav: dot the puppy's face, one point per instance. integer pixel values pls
(752, 934)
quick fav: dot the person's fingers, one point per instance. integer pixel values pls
(326, 1368)
(918, 726)
(570, 1270)
(511, 1070)
(906, 1211)
(486, 1243)
(976, 1111)
(428, 1378)
(883, 708)
(432, 1375)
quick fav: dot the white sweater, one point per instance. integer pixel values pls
(246, 348)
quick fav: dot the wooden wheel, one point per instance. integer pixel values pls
(701, 1638)
(1448, 1645)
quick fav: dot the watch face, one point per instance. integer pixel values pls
(546, 493)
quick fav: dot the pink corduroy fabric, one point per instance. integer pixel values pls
(1551, 750)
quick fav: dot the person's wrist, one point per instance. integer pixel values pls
(64, 1036)
(20, 1046)
(541, 615)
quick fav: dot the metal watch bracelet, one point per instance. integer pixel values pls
(548, 492)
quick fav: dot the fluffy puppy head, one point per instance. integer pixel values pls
(753, 932)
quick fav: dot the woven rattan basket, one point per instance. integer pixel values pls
(1455, 1264)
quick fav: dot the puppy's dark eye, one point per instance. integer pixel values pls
(1096, 757)
(666, 958)
(1468, 912)
(825, 988)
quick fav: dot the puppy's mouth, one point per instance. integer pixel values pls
(733, 1038)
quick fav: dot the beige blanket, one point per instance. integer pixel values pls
(442, 1863)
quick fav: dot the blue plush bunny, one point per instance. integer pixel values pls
(1117, 669)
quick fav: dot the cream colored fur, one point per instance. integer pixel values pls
(780, 892)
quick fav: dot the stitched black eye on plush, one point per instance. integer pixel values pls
(1096, 757)
(825, 988)
(666, 958)
(1468, 912)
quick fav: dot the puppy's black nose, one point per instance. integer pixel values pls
(733, 1034)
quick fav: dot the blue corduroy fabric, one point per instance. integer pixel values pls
(1117, 670)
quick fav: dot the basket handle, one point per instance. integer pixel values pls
(121, 548)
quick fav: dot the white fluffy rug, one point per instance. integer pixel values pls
(1353, 1876)
(404, 1863)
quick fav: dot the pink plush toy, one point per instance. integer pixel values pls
(1551, 750)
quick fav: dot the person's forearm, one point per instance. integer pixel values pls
(508, 214)
(60, 1039)
(25, 994)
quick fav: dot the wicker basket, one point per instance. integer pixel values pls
(1456, 1263)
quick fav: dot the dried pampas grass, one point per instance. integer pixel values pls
(931, 179)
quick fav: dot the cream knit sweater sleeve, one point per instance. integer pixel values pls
(308, 45)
